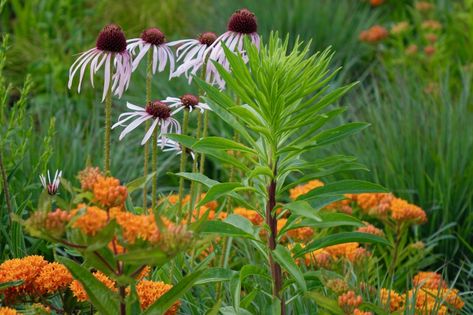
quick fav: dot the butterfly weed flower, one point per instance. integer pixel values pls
(242, 23)
(152, 41)
(187, 101)
(111, 54)
(193, 54)
(157, 111)
(51, 186)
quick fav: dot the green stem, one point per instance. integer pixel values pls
(6, 192)
(154, 167)
(397, 243)
(194, 196)
(182, 166)
(108, 125)
(149, 77)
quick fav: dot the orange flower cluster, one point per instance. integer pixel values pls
(342, 205)
(300, 190)
(136, 226)
(349, 301)
(400, 28)
(391, 298)
(402, 211)
(150, 291)
(109, 193)
(7, 311)
(79, 292)
(91, 221)
(370, 229)
(424, 6)
(376, 204)
(52, 278)
(89, 177)
(351, 251)
(39, 277)
(359, 312)
(374, 34)
(432, 25)
(430, 301)
(339, 286)
(251, 215)
(429, 280)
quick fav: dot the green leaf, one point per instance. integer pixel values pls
(150, 256)
(340, 238)
(243, 224)
(176, 292)
(219, 190)
(186, 141)
(343, 187)
(9, 284)
(219, 143)
(303, 209)
(325, 302)
(261, 170)
(335, 134)
(224, 229)
(138, 182)
(215, 275)
(197, 177)
(284, 258)
(104, 300)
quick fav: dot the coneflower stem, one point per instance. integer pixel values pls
(194, 196)
(6, 191)
(182, 166)
(204, 134)
(154, 168)
(149, 77)
(108, 125)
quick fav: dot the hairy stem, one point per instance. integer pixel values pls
(154, 168)
(6, 191)
(193, 188)
(182, 166)
(149, 77)
(108, 124)
(397, 243)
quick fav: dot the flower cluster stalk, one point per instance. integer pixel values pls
(6, 192)
(182, 166)
(108, 126)
(194, 187)
(154, 168)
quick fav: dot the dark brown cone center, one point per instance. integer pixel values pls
(207, 38)
(189, 100)
(153, 36)
(158, 109)
(111, 39)
(243, 21)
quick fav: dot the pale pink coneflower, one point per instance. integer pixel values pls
(152, 41)
(171, 145)
(242, 23)
(192, 53)
(51, 186)
(158, 111)
(110, 52)
(188, 101)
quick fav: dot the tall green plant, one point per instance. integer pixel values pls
(286, 97)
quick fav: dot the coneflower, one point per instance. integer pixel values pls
(188, 101)
(51, 186)
(109, 52)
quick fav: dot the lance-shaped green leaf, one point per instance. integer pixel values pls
(340, 238)
(325, 302)
(221, 189)
(219, 143)
(104, 300)
(197, 177)
(215, 275)
(150, 256)
(303, 208)
(176, 292)
(224, 229)
(185, 140)
(343, 187)
(283, 257)
(139, 182)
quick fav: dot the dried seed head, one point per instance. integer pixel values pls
(207, 38)
(158, 110)
(154, 36)
(189, 100)
(111, 39)
(243, 21)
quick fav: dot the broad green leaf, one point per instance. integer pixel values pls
(185, 140)
(261, 170)
(335, 134)
(343, 187)
(325, 302)
(340, 238)
(253, 270)
(138, 182)
(219, 190)
(9, 284)
(303, 209)
(219, 143)
(150, 256)
(215, 275)
(284, 258)
(197, 177)
(176, 292)
(224, 229)
(243, 224)
(104, 300)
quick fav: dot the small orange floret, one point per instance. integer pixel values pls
(423, 6)
(374, 34)
(109, 193)
(300, 190)
(375, 3)
(150, 291)
(7, 311)
(411, 50)
(349, 301)
(400, 28)
(429, 50)
(303, 233)
(429, 280)
(53, 277)
(370, 229)
(391, 298)
(360, 312)
(93, 220)
(376, 204)
(432, 25)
